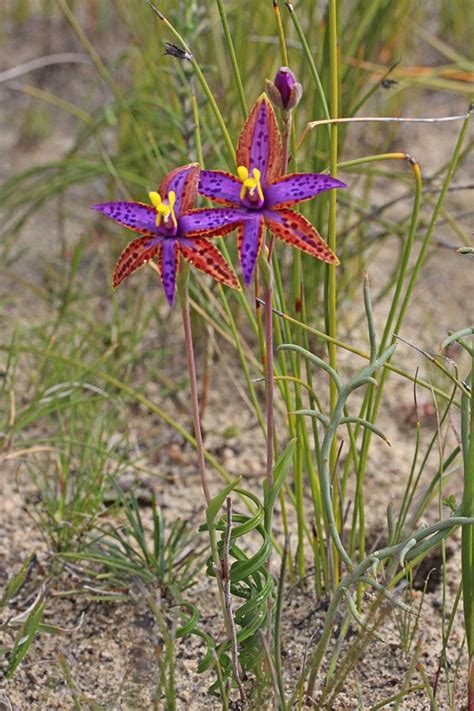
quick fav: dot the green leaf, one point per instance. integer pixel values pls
(25, 636)
(216, 503)
(280, 472)
(14, 585)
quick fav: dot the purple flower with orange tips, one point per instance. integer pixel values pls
(170, 230)
(262, 196)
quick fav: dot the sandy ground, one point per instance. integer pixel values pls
(112, 649)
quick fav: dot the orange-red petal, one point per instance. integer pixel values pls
(207, 258)
(135, 254)
(183, 181)
(294, 229)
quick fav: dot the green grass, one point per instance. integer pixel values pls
(85, 386)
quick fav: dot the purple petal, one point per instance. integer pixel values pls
(209, 220)
(259, 149)
(135, 215)
(220, 186)
(297, 187)
(259, 143)
(168, 268)
(183, 181)
(250, 242)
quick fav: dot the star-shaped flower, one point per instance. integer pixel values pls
(263, 196)
(170, 229)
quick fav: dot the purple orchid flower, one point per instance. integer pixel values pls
(171, 229)
(262, 196)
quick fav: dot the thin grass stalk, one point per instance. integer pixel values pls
(233, 58)
(281, 33)
(202, 80)
(467, 540)
(309, 58)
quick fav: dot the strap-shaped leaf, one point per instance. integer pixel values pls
(218, 500)
(280, 472)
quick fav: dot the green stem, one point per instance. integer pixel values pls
(467, 540)
(309, 58)
(331, 290)
(269, 379)
(202, 80)
(233, 58)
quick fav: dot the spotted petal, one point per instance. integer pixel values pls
(135, 215)
(250, 240)
(296, 230)
(296, 187)
(204, 256)
(136, 254)
(220, 187)
(209, 221)
(168, 263)
(260, 142)
(184, 182)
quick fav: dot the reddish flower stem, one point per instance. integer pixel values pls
(188, 337)
(269, 378)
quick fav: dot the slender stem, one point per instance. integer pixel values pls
(233, 58)
(309, 58)
(467, 545)
(331, 298)
(269, 377)
(188, 337)
(378, 119)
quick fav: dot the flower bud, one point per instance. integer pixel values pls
(285, 91)
(284, 82)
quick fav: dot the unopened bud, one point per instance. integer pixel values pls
(285, 91)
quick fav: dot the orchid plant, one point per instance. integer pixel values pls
(172, 229)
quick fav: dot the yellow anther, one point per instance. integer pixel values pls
(242, 172)
(155, 199)
(250, 184)
(164, 208)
